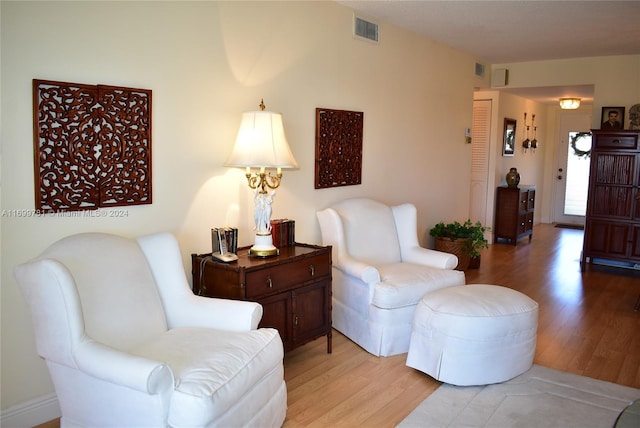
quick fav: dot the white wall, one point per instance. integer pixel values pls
(616, 83)
(530, 165)
(615, 78)
(206, 63)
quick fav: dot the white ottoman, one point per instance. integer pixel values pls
(473, 334)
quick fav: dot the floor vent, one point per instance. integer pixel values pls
(364, 29)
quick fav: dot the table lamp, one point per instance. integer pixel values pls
(262, 144)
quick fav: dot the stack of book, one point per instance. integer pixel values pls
(230, 236)
(283, 232)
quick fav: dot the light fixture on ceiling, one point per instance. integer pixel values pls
(569, 103)
(261, 143)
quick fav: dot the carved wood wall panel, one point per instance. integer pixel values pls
(92, 146)
(338, 148)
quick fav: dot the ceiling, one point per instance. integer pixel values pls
(498, 32)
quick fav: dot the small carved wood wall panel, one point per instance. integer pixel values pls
(338, 148)
(92, 146)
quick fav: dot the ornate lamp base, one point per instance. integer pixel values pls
(263, 246)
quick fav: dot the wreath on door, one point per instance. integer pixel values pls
(574, 145)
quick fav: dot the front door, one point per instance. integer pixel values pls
(572, 171)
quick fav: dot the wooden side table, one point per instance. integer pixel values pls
(514, 213)
(294, 288)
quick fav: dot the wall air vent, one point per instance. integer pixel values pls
(479, 69)
(364, 29)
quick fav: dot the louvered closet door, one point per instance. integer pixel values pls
(480, 144)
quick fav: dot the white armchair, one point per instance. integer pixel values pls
(380, 272)
(127, 343)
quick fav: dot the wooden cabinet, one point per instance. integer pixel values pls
(514, 213)
(294, 288)
(612, 224)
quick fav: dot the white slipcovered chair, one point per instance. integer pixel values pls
(380, 272)
(127, 343)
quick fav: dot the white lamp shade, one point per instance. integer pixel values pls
(261, 142)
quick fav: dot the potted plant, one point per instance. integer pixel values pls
(465, 240)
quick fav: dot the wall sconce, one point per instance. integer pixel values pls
(534, 143)
(261, 143)
(527, 143)
(569, 103)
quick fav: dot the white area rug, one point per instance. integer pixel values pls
(540, 397)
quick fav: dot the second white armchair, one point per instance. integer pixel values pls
(380, 272)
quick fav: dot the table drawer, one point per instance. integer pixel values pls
(282, 277)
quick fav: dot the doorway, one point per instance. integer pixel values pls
(572, 172)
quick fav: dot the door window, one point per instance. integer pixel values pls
(577, 175)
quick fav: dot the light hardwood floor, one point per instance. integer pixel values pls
(587, 326)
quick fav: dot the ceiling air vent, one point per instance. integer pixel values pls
(363, 29)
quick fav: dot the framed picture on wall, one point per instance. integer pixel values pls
(509, 142)
(612, 118)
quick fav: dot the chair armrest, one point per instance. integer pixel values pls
(353, 267)
(221, 314)
(182, 307)
(433, 258)
(120, 368)
(406, 218)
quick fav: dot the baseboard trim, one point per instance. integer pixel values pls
(32, 412)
